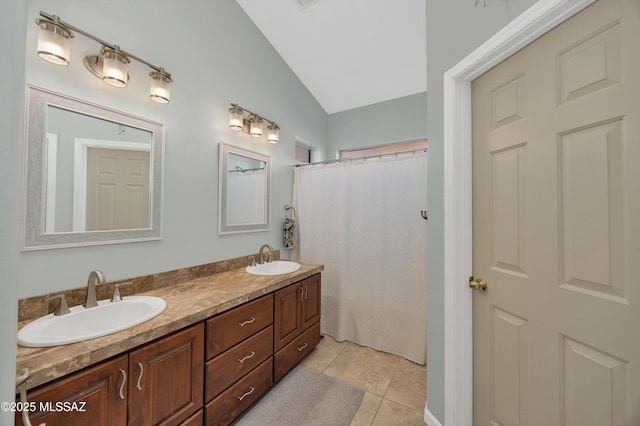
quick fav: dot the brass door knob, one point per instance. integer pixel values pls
(478, 284)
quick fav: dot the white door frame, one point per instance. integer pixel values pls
(458, 328)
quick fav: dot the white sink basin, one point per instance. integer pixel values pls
(84, 324)
(277, 267)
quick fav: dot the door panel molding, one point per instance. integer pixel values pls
(458, 328)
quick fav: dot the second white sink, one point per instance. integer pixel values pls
(277, 267)
(84, 324)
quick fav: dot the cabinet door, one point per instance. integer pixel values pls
(196, 420)
(287, 324)
(310, 301)
(288, 357)
(96, 396)
(166, 379)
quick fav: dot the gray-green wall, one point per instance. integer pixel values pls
(454, 29)
(216, 55)
(397, 120)
(12, 25)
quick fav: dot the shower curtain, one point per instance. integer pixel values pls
(362, 221)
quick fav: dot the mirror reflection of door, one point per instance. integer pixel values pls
(117, 189)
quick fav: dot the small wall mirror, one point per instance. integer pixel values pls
(94, 175)
(243, 197)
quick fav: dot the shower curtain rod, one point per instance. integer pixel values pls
(241, 170)
(365, 157)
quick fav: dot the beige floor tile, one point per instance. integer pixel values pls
(324, 353)
(363, 367)
(409, 385)
(367, 411)
(391, 414)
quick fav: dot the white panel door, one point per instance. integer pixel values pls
(117, 189)
(556, 226)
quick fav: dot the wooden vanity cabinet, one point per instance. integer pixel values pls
(209, 373)
(160, 383)
(296, 323)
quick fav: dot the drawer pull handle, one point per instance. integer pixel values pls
(140, 376)
(241, 360)
(124, 381)
(303, 347)
(249, 321)
(246, 394)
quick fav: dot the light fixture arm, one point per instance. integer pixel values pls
(57, 19)
(273, 123)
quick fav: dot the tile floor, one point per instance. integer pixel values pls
(395, 389)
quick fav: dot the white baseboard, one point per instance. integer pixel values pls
(430, 419)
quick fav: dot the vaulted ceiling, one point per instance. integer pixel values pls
(348, 53)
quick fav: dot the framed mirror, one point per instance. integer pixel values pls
(93, 174)
(243, 196)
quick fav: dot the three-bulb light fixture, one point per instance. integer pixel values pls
(252, 124)
(111, 64)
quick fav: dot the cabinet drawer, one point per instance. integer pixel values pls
(229, 328)
(229, 366)
(235, 400)
(290, 355)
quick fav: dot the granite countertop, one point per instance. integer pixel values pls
(187, 303)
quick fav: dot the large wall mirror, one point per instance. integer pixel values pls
(93, 174)
(243, 197)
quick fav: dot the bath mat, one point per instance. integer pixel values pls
(306, 398)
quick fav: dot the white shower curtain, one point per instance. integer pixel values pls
(362, 221)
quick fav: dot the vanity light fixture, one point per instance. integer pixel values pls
(111, 64)
(115, 67)
(255, 127)
(252, 125)
(54, 41)
(160, 90)
(273, 133)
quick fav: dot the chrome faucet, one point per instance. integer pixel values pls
(95, 277)
(261, 259)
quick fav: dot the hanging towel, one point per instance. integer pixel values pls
(289, 228)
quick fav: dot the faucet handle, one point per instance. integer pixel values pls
(269, 257)
(116, 293)
(62, 308)
(252, 260)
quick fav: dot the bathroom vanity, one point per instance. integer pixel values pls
(222, 342)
